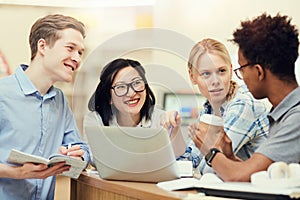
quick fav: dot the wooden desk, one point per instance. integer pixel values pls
(90, 187)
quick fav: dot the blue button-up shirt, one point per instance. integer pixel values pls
(34, 124)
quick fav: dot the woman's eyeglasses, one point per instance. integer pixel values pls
(122, 89)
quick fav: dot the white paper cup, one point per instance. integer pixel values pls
(213, 125)
(213, 120)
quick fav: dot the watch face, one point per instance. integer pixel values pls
(208, 155)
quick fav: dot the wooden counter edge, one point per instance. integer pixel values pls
(136, 190)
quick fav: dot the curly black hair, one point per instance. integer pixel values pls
(271, 42)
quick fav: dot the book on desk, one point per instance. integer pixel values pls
(211, 185)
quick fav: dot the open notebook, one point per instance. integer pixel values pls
(132, 153)
(212, 185)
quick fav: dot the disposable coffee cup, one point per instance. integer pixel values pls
(211, 119)
(214, 123)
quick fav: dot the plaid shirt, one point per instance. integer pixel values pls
(245, 122)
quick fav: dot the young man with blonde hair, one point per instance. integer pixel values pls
(35, 116)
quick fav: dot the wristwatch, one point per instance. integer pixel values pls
(210, 155)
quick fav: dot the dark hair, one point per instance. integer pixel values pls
(49, 28)
(271, 42)
(100, 101)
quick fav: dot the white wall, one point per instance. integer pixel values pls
(193, 19)
(198, 19)
(218, 19)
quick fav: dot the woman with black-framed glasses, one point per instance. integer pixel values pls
(123, 96)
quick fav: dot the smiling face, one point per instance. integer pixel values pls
(132, 102)
(212, 75)
(64, 56)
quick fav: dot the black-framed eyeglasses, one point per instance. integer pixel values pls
(122, 89)
(238, 71)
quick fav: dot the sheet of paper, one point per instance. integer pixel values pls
(186, 183)
(185, 168)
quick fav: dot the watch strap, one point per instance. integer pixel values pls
(210, 155)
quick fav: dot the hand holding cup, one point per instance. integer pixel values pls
(207, 132)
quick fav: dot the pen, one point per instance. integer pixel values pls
(171, 128)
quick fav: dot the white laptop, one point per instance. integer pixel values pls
(132, 153)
